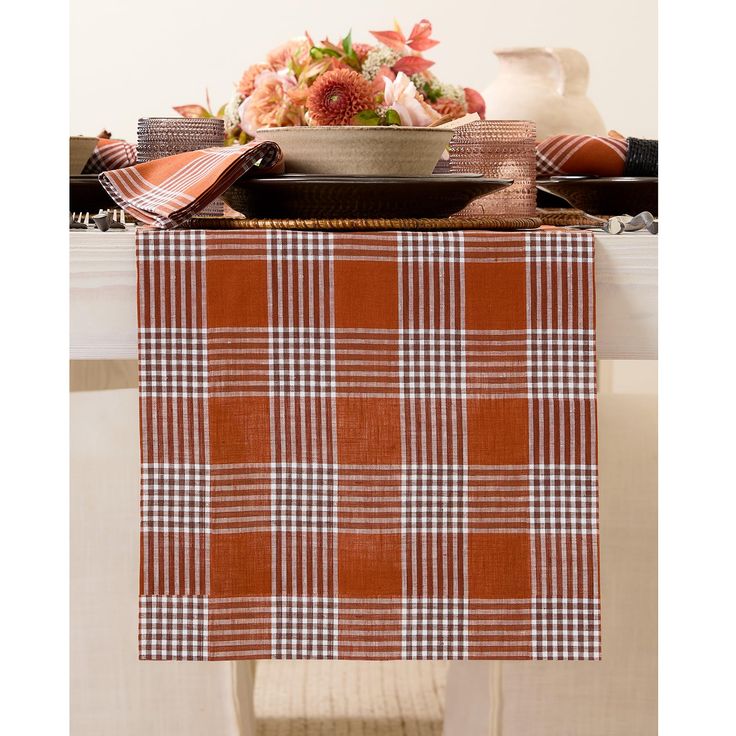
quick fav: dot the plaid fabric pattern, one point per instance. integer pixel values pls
(588, 155)
(368, 445)
(168, 191)
(110, 153)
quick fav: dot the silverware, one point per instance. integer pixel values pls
(102, 221)
(644, 220)
(622, 223)
(116, 218)
(77, 221)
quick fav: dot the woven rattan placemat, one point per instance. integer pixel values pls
(565, 216)
(408, 223)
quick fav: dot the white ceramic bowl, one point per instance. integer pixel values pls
(357, 150)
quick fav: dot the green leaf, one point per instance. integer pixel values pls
(431, 93)
(347, 43)
(319, 52)
(392, 117)
(351, 58)
(221, 111)
(367, 117)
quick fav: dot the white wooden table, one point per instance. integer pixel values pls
(103, 327)
(103, 299)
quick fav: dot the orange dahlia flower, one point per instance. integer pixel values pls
(248, 80)
(296, 49)
(338, 96)
(270, 105)
(446, 106)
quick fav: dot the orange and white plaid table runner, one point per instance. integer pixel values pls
(168, 191)
(368, 445)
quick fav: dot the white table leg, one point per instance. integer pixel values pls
(469, 706)
(112, 693)
(617, 696)
(244, 682)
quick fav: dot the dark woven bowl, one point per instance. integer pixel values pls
(302, 196)
(620, 195)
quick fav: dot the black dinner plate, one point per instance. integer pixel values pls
(86, 194)
(307, 196)
(611, 195)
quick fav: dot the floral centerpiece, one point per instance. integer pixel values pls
(305, 83)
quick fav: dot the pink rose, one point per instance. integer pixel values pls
(270, 105)
(401, 95)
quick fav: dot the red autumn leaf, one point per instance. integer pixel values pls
(193, 111)
(475, 102)
(392, 39)
(419, 39)
(412, 65)
(423, 44)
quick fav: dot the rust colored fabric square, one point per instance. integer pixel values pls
(368, 445)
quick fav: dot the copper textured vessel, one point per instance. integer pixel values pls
(498, 149)
(161, 137)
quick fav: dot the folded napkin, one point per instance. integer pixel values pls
(110, 153)
(586, 155)
(168, 191)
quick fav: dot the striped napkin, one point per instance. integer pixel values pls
(110, 153)
(168, 191)
(585, 155)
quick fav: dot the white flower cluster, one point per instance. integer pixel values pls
(377, 57)
(232, 115)
(418, 80)
(453, 92)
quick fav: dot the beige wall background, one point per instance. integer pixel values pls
(137, 58)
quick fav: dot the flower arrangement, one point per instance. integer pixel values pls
(345, 83)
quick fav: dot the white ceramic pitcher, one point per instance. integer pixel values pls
(547, 86)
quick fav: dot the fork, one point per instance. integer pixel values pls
(117, 219)
(622, 223)
(78, 221)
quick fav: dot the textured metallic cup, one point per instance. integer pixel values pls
(161, 137)
(499, 149)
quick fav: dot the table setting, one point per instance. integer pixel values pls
(586, 178)
(367, 358)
